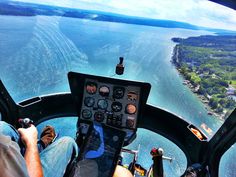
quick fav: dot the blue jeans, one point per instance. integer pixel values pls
(54, 158)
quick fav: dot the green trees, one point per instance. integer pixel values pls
(231, 104)
(220, 103)
(194, 79)
(219, 109)
(209, 63)
(213, 102)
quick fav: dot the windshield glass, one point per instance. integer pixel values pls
(189, 59)
(192, 75)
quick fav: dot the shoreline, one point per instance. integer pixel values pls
(204, 100)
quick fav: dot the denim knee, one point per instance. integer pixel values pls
(5, 128)
(68, 143)
(8, 130)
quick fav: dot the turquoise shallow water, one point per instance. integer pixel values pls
(37, 52)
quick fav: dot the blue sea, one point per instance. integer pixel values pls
(36, 53)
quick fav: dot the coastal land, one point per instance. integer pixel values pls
(208, 65)
(31, 9)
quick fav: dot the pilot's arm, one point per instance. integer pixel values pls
(32, 158)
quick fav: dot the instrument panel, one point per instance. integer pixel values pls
(113, 102)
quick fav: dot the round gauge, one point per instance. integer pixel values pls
(99, 116)
(130, 123)
(116, 106)
(102, 104)
(132, 96)
(86, 114)
(89, 101)
(130, 109)
(91, 87)
(118, 92)
(104, 91)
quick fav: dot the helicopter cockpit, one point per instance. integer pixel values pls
(175, 94)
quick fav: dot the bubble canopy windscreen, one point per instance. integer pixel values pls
(169, 47)
(186, 53)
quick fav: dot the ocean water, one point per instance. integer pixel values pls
(36, 54)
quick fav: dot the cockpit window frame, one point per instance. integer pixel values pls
(167, 124)
(221, 142)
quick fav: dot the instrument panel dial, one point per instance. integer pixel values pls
(116, 106)
(102, 104)
(118, 92)
(104, 91)
(99, 116)
(89, 101)
(86, 113)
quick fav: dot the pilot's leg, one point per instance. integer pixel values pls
(8, 130)
(57, 156)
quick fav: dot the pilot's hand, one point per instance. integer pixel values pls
(29, 135)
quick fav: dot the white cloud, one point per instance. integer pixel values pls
(197, 12)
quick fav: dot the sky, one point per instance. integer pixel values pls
(197, 12)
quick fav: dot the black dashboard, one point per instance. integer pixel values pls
(109, 111)
(113, 102)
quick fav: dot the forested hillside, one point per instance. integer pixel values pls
(208, 63)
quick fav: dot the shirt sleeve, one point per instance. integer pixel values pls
(12, 163)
